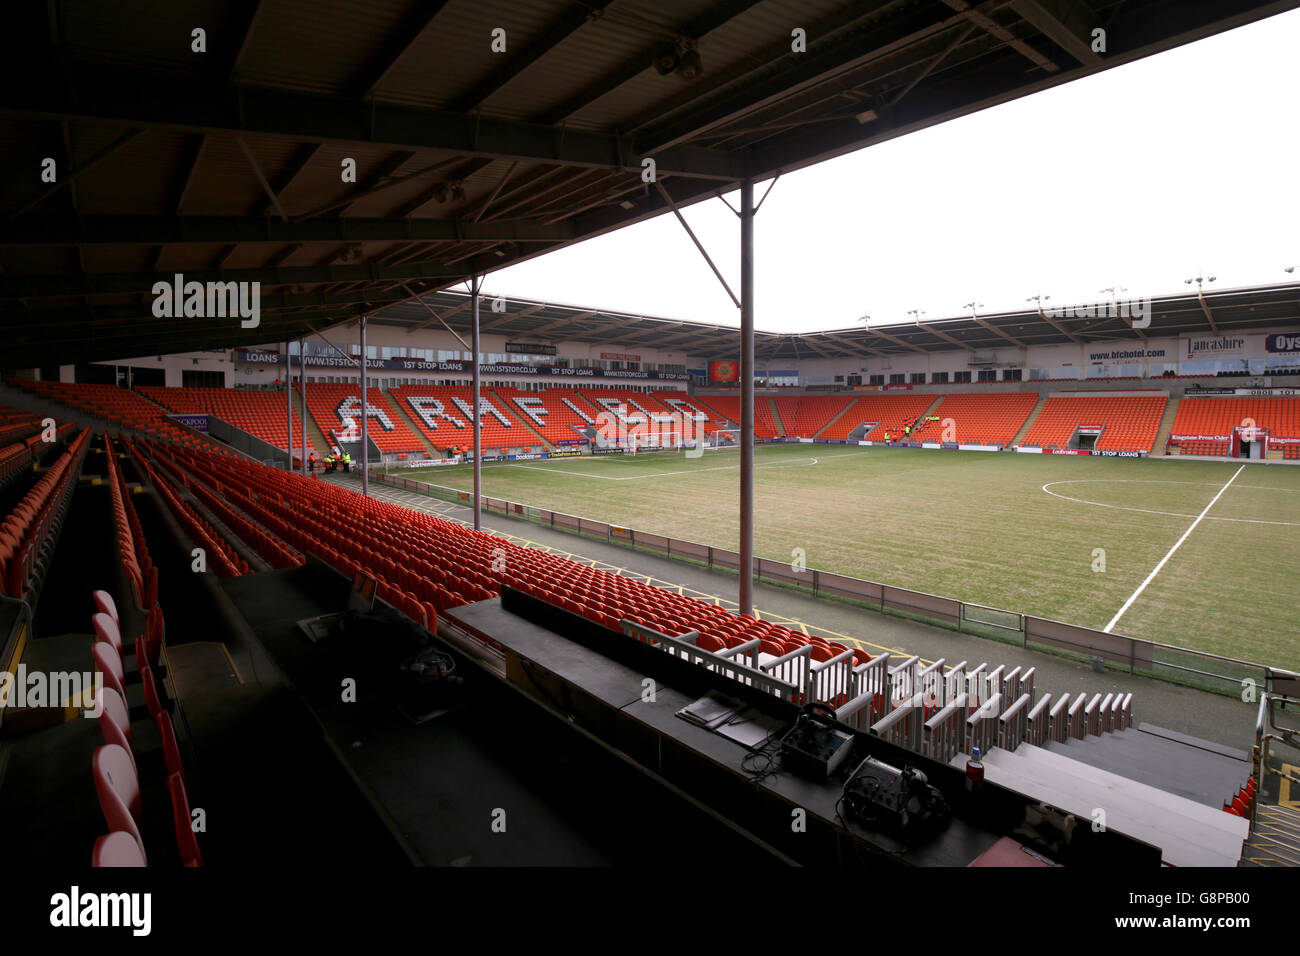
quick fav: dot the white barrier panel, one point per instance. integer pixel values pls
(980, 447)
(1030, 450)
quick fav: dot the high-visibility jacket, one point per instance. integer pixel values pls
(347, 458)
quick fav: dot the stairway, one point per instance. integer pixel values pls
(838, 415)
(1161, 446)
(314, 435)
(1188, 833)
(1274, 838)
(776, 417)
(1029, 422)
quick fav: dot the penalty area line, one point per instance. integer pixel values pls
(1178, 544)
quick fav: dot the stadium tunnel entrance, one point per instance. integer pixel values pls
(1249, 441)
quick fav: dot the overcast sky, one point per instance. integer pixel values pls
(1182, 164)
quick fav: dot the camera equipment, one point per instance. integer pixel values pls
(816, 745)
(892, 799)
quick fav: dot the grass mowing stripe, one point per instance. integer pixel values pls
(1178, 544)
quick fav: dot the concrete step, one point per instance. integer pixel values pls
(1161, 446)
(776, 417)
(1170, 765)
(836, 417)
(1274, 839)
(1188, 833)
(1029, 422)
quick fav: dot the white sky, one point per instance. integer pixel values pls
(1182, 164)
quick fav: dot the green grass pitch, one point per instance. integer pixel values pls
(1018, 532)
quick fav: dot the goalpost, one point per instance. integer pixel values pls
(725, 438)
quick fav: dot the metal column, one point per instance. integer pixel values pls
(365, 433)
(747, 397)
(288, 410)
(302, 392)
(475, 286)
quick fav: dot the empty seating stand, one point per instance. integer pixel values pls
(978, 419)
(891, 410)
(1204, 426)
(804, 416)
(546, 411)
(1128, 423)
(337, 407)
(443, 413)
(29, 532)
(261, 414)
(120, 406)
(729, 407)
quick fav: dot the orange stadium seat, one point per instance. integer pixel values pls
(337, 406)
(891, 410)
(729, 407)
(979, 419)
(1129, 423)
(443, 414)
(1210, 417)
(261, 414)
(804, 416)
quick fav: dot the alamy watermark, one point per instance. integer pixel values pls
(208, 300)
(52, 689)
(1138, 311)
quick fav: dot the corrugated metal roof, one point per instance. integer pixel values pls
(474, 148)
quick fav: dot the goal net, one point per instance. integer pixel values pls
(725, 438)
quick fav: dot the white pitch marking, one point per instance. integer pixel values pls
(1168, 514)
(806, 463)
(1178, 544)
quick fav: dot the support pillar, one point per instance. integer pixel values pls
(475, 286)
(365, 433)
(747, 397)
(302, 392)
(288, 409)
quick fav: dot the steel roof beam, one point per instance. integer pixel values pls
(150, 99)
(399, 40)
(47, 286)
(1064, 22)
(73, 230)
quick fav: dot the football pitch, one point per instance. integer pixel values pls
(1075, 539)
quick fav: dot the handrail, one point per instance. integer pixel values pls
(1035, 726)
(981, 726)
(1011, 724)
(1058, 721)
(1266, 721)
(940, 735)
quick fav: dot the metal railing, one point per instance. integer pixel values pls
(945, 732)
(1165, 661)
(1036, 724)
(684, 646)
(902, 725)
(1058, 721)
(1268, 732)
(1011, 723)
(982, 726)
